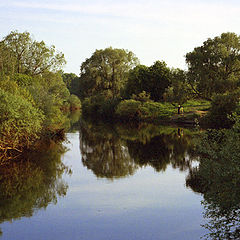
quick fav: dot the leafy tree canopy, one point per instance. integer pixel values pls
(214, 67)
(19, 53)
(153, 80)
(179, 91)
(72, 82)
(107, 69)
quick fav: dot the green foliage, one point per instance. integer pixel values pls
(179, 91)
(20, 121)
(222, 106)
(136, 110)
(106, 70)
(129, 109)
(50, 92)
(136, 81)
(22, 80)
(101, 105)
(153, 80)
(214, 67)
(32, 92)
(21, 54)
(142, 97)
(74, 102)
(72, 82)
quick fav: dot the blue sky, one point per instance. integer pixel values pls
(153, 30)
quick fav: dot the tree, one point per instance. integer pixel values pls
(136, 79)
(32, 92)
(222, 107)
(153, 80)
(214, 67)
(106, 70)
(72, 82)
(19, 53)
(179, 91)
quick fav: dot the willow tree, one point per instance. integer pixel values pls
(106, 71)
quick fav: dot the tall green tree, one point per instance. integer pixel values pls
(179, 91)
(72, 82)
(136, 80)
(214, 67)
(19, 53)
(106, 70)
(32, 92)
(153, 80)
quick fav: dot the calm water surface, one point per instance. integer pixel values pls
(114, 183)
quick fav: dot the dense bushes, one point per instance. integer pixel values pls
(32, 93)
(222, 106)
(136, 110)
(20, 121)
(101, 105)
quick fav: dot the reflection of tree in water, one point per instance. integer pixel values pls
(104, 153)
(164, 149)
(116, 151)
(154, 153)
(218, 179)
(32, 183)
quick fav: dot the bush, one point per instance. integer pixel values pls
(136, 110)
(101, 105)
(129, 109)
(20, 121)
(222, 106)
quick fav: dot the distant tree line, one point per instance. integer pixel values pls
(113, 76)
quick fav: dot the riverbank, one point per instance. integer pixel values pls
(192, 112)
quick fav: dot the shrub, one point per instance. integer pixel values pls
(136, 110)
(100, 105)
(222, 106)
(20, 121)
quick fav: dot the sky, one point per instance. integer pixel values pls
(154, 30)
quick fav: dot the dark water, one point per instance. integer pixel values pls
(114, 182)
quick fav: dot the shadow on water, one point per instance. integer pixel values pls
(32, 183)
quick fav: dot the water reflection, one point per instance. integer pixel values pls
(32, 183)
(218, 179)
(104, 153)
(114, 151)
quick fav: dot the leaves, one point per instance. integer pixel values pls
(21, 54)
(214, 67)
(106, 70)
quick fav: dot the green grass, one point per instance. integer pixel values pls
(196, 105)
(155, 111)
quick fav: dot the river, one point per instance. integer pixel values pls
(109, 183)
